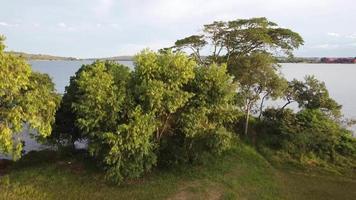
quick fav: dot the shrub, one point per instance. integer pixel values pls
(167, 109)
(202, 124)
(308, 132)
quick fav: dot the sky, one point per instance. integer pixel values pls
(103, 28)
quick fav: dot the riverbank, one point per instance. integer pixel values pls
(241, 173)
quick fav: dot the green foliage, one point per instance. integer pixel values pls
(130, 148)
(158, 82)
(114, 77)
(308, 133)
(241, 37)
(202, 124)
(2, 45)
(129, 117)
(312, 94)
(247, 47)
(99, 110)
(259, 79)
(312, 135)
(257, 74)
(25, 97)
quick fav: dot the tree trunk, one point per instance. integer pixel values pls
(261, 106)
(285, 105)
(247, 119)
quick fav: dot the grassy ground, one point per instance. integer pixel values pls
(240, 174)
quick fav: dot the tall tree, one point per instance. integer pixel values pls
(159, 85)
(257, 76)
(25, 97)
(241, 37)
(247, 47)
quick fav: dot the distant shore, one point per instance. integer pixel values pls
(307, 60)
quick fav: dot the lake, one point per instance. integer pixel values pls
(340, 79)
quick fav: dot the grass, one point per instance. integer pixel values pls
(240, 174)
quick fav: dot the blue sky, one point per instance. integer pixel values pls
(100, 28)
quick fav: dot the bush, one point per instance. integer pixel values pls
(167, 109)
(202, 124)
(308, 132)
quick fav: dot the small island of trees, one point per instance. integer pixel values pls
(177, 107)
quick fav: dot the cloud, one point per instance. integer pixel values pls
(103, 7)
(36, 25)
(62, 25)
(4, 24)
(169, 11)
(114, 25)
(66, 27)
(351, 36)
(325, 46)
(342, 36)
(133, 48)
(333, 34)
(8, 25)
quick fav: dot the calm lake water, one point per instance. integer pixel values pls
(340, 79)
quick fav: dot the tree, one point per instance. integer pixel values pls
(308, 133)
(195, 43)
(159, 81)
(247, 47)
(257, 76)
(311, 94)
(66, 129)
(201, 126)
(129, 117)
(101, 110)
(241, 37)
(26, 97)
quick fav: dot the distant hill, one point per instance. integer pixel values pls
(298, 59)
(29, 56)
(115, 58)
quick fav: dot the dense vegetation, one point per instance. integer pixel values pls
(25, 97)
(313, 134)
(168, 110)
(175, 109)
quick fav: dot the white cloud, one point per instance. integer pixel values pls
(4, 24)
(62, 25)
(352, 44)
(342, 36)
(103, 7)
(325, 46)
(333, 34)
(351, 36)
(8, 25)
(114, 25)
(66, 27)
(132, 48)
(188, 10)
(36, 25)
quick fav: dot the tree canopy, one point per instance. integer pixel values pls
(241, 37)
(26, 97)
(248, 47)
(134, 119)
